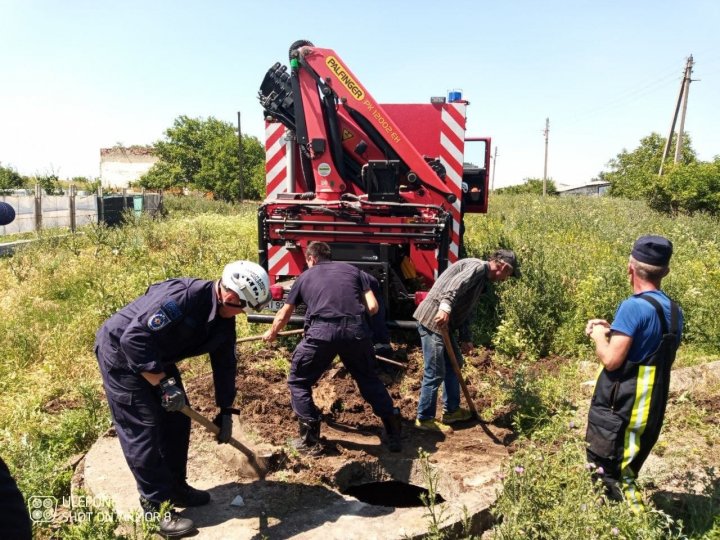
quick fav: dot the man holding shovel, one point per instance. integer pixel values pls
(137, 349)
(448, 306)
(339, 299)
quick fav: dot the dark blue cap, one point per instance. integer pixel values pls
(653, 250)
(7, 213)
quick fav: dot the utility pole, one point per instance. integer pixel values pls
(668, 142)
(240, 160)
(492, 183)
(686, 89)
(546, 132)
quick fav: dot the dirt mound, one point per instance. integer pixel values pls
(264, 400)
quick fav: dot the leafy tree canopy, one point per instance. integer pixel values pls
(632, 175)
(688, 186)
(531, 185)
(203, 153)
(50, 183)
(10, 179)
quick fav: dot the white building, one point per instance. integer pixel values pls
(594, 188)
(120, 166)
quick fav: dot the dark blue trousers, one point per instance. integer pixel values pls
(14, 518)
(312, 357)
(155, 442)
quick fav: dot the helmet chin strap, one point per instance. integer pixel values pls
(247, 309)
(219, 293)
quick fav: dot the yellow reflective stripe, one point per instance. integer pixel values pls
(599, 372)
(632, 495)
(640, 412)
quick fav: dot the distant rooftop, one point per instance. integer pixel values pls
(135, 150)
(596, 187)
(592, 184)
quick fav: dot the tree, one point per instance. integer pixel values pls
(531, 185)
(50, 183)
(690, 188)
(633, 175)
(204, 154)
(10, 179)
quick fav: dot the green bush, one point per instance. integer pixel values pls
(690, 188)
(573, 252)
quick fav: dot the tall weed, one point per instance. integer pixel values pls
(551, 495)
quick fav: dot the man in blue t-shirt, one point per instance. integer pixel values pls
(339, 301)
(637, 351)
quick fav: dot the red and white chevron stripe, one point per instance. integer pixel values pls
(452, 142)
(275, 160)
(276, 182)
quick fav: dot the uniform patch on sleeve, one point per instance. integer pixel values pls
(158, 320)
(167, 313)
(172, 310)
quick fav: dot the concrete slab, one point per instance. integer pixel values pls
(287, 505)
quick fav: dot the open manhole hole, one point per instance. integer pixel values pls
(391, 493)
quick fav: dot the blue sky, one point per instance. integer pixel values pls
(76, 76)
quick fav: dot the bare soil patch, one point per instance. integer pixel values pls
(348, 421)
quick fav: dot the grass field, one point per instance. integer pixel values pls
(573, 251)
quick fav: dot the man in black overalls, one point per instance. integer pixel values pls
(339, 299)
(137, 349)
(637, 352)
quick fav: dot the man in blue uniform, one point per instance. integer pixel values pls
(137, 349)
(339, 299)
(637, 351)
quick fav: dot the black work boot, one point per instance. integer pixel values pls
(172, 524)
(309, 441)
(392, 430)
(186, 496)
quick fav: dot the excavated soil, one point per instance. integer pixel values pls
(264, 403)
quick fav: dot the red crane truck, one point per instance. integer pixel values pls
(385, 185)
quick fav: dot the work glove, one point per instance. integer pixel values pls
(223, 420)
(172, 397)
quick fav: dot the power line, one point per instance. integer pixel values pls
(627, 97)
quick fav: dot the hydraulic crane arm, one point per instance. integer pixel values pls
(324, 69)
(321, 101)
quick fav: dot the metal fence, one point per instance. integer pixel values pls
(75, 209)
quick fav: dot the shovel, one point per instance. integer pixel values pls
(259, 464)
(456, 369)
(260, 336)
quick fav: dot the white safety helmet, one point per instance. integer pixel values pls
(249, 281)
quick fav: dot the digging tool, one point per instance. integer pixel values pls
(259, 464)
(393, 362)
(456, 368)
(260, 336)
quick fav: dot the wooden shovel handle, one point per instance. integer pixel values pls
(259, 336)
(456, 368)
